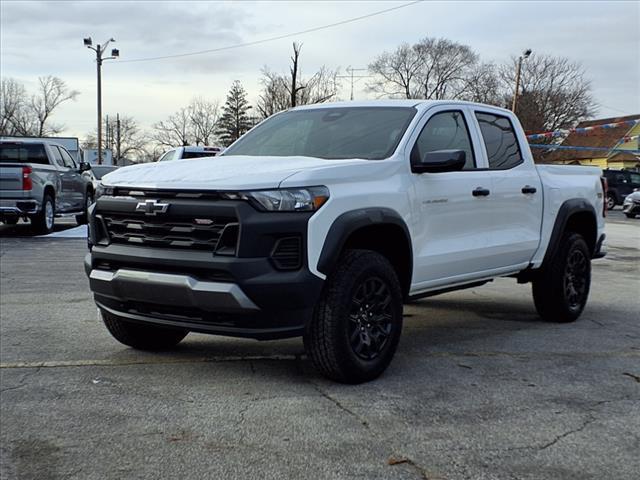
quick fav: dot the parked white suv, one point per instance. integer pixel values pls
(323, 219)
(193, 151)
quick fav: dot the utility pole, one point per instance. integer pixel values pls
(522, 57)
(117, 138)
(107, 131)
(352, 77)
(115, 53)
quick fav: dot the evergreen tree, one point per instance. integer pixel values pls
(235, 120)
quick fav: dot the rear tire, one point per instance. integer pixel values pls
(140, 336)
(561, 289)
(88, 200)
(356, 325)
(630, 215)
(44, 221)
(611, 201)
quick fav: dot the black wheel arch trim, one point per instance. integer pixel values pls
(348, 223)
(567, 210)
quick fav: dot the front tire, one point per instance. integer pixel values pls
(561, 289)
(141, 336)
(356, 325)
(630, 215)
(44, 221)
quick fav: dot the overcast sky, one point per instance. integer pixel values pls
(45, 38)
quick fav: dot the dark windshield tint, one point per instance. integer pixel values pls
(371, 133)
(23, 153)
(100, 172)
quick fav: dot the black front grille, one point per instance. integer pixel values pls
(165, 232)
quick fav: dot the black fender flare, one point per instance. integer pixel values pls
(349, 222)
(567, 209)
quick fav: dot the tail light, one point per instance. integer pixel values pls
(26, 178)
(605, 191)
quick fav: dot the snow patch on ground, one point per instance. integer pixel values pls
(77, 232)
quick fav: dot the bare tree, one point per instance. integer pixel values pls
(431, 69)
(31, 116)
(396, 72)
(132, 142)
(194, 124)
(280, 92)
(483, 85)
(175, 131)
(52, 92)
(13, 99)
(554, 92)
(204, 116)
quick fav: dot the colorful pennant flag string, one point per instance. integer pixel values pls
(585, 130)
(566, 147)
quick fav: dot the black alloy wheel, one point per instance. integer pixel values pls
(370, 318)
(576, 279)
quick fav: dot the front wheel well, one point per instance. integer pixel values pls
(391, 241)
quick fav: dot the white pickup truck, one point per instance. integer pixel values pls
(322, 220)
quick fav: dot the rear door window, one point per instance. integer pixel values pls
(503, 150)
(23, 153)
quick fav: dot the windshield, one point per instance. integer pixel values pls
(100, 172)
(371, 133)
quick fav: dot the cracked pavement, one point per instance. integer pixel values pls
(479, 388)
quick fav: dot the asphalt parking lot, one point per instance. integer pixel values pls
(479, 388)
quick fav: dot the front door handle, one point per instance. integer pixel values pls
(481, 192)
(528, 189)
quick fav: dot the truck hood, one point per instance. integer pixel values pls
(217, 173)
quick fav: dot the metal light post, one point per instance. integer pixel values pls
(522, 57)
(115, 53)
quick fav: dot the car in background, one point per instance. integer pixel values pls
(621, 183)
(193, 151)
(631, 205)
(40, 180)
(97, 172)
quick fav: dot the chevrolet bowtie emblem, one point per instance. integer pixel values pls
(151, 207)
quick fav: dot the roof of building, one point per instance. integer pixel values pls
(599, 138)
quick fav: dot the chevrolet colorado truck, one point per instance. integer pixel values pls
(40, 180)
(323, 220)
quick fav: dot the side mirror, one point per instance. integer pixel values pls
(440, 161)
(84, 166)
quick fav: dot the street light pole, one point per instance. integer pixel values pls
(115, 53)
(522, 57)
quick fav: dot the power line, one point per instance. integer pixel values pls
(271, 39)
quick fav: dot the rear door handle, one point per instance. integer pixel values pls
(528, 189)
(481, 192)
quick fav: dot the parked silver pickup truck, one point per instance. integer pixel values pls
(39, 180)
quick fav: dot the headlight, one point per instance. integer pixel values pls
(102, 190)
(287, 200)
